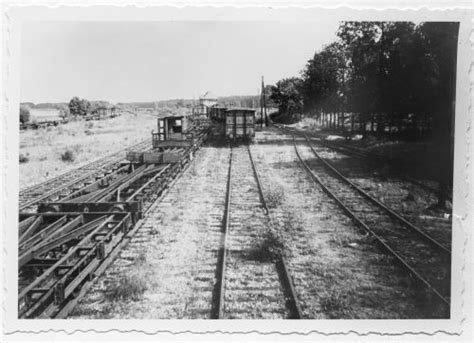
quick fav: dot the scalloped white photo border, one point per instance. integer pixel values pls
(456, 328)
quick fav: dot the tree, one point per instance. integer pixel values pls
(323, 80)
(25, 114)
(64, 112)
(79, 107)
(287, 94)
(440, 40)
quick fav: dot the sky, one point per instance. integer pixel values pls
(149, 61)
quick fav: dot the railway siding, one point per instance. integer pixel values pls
(224, 212)
(174, 253)
(428, 263)
(406, 198)
(253, 289)
(338, 272)
(65, 184)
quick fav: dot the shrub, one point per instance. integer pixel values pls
(275, 196)
(272, 245)
(132, 285)
(336, 304)
(64, 112)
(25, 114)
(128, 287)
(291, 223)
(24, 158)
(68, 156)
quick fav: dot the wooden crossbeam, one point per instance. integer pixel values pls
(30, 229)
(42, 234)
(24, 224)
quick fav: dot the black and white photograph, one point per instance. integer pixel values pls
(237, 167)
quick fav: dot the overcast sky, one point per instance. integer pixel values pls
(147, 61)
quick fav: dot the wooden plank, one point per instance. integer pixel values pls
(80, 278)
(31, 229)
(24, 225)
(51, 270)
(43, 233)
(47, 246)
(90, 207)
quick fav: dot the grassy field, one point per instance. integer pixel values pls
(47, 152)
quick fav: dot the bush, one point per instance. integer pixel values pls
(132, 285)
(25, 114)
(128, 287)
(64, 112)
(24, 158)
(336, 304)
(272, 245)
(274, 197)
(68, 156)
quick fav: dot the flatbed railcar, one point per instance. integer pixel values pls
(175, 136)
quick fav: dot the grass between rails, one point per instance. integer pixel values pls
(337, 270)
(159, 274)
(47, 152)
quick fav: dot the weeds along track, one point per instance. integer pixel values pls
(423, 257)
(66, 244)
(402, 198)
(251, 286)
(338, 272)
(64, 184)
(173, 254)
(195, 251)
(372, 159)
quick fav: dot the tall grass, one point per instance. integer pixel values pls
(133, 284)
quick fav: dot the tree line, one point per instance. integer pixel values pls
(75, 109)
(390, 78)
(379, 77)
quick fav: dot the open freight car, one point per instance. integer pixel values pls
(217, 113)
(239, 124)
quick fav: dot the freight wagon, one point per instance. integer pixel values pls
(217, 113)
(239, 123)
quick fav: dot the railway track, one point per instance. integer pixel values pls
(216, 276)
(62, 185)
(375, 160)
(65, 244)
(247, 287)
(425, 259)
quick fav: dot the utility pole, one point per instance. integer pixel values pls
(263, 105)
(261, 110)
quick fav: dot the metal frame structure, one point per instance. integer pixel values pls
(68, 242)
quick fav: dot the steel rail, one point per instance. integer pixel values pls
(359, 222)
(86, 166)
(295, 307)
(218, 311)
(69, 304)
(98, 165)
(381, 205)
(99, 252)
(370, 157)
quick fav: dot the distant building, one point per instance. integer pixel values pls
(206, 101)
(44, 114)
